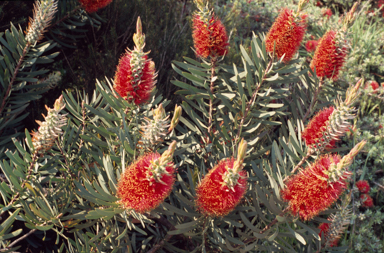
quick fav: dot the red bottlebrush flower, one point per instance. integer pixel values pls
(314, 131)
(366, 200)
(311, 45)
(327, 12)
(214, 198)
(209, 38)
(287, 33)
(313, 191)
(93, 5)
(130, 83)
(375, 85)
(363, 186)
(379, 4)
(137, 187)
(324, 228)
(329, 56)
(319, 4)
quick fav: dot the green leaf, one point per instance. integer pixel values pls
(8, 222)
(296, 235)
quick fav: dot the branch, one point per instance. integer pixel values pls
(213, 62)
(19, 239)
(249, 104)
(34, 159)
(25, 51)
(309, 153)
(317, 92)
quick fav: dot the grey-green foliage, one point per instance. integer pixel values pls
(70, 191)
(20, 66)
(281, 102)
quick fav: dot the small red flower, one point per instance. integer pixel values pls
(314, 131)
(311, 191)
(213, 196)
(137, 188)
(324, 228)
(311, 45)
(287, 33)
(375, 85)
(379, 4)
(329, 56)
(130, 84)
(93, 5)
(366, 200)
(363, 186)
(319, 4)
(327, 12)
(209, 38)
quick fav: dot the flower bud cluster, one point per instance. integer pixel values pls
(338, 224)
(154, 130)
(52, 80)
(43, 13)
(50, 129)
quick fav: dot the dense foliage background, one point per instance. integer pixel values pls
(87, 47)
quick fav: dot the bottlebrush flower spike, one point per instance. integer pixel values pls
(209, 36)
(319, 185)
(93, 5)
(50, 129)
(338, 224)
(224, 186)
(286, 34)
(366, 200)
(148, 181)
(363, 186)
(135, 76)
(43, 13)
(330, 55)
(328, 125)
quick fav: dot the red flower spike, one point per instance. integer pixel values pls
(138, 188)
(324, 228)
(327, 12)
(375, 85)
(329, 56)
(314, 131)
(312, 191)
(210, 38)
(137, 91)
(93, 5)
(366, 200)
(214, 198)
(135, 76)
(363, 186)
(311, 45)
(287, 33)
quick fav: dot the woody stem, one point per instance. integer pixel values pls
(314, 98)
(213, 65)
